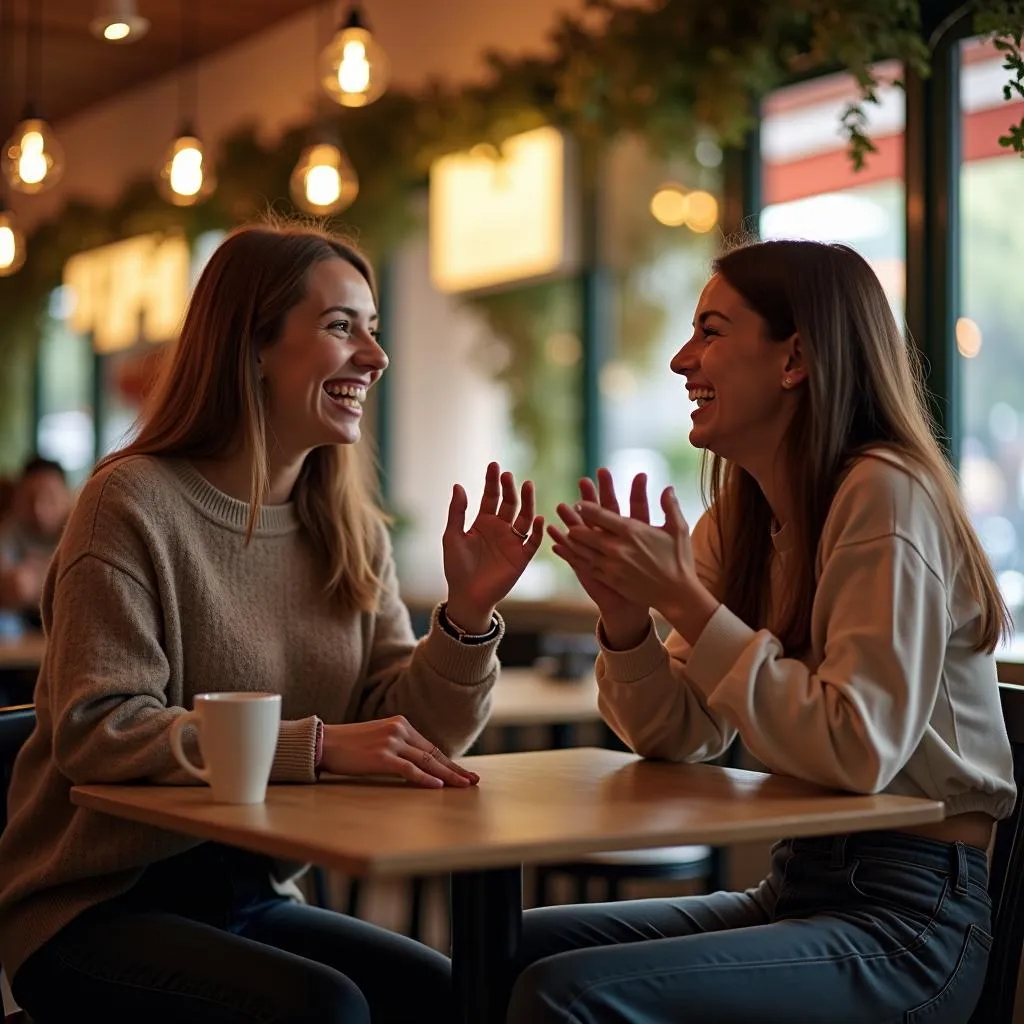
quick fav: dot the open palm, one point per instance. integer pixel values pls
(483, 563)
(610, 602)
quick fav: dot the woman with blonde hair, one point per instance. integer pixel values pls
(236, 544)
(834, 610)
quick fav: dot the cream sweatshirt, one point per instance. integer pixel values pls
(889, 698)
(154, 596)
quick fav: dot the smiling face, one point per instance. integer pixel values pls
(317, 372)
(738, 377)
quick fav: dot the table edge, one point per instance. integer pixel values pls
(457, 860)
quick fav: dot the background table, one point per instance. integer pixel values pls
(529, 808)
(524, 697)
(25, 652)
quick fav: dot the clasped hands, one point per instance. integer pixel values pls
(629, 566)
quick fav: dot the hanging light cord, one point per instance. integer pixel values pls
(6, 67)
(34, 59)
(6, 81)
(188, 78)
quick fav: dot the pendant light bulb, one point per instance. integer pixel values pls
(32, 160)
(118, 21)
(12, 244)
(324, 180)
(353, 66)
(186, 178)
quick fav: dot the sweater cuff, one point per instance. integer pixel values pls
(295, 757)
(718, 648)
(465, 664)
(636, 663)
(318, 753)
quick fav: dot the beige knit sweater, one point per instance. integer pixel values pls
(153, 597)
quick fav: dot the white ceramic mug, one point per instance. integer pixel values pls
(237, 740)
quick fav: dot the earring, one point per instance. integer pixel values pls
(787, 382)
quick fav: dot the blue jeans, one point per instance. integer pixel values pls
(204, 939)
(872, 928)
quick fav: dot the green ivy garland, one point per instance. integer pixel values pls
(668, 73)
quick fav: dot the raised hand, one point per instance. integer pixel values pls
(625, 622)
(649, 565)
(645, 564)
(390, 746)
(483, 563)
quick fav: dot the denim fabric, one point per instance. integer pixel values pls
(203, 938)
(872, 928)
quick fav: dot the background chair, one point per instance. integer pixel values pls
(1006, 883)
(16, 723)
(665, 863)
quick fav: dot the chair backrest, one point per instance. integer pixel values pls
(16, 723)
(1006, 881)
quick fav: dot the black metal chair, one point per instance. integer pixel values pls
(16, 724)
(665, 863)
(1006, 882)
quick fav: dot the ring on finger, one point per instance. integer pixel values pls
(519, 533)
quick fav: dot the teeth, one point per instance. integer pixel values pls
(353, 394)
(701, 396)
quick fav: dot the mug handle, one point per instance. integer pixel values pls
(189, 718)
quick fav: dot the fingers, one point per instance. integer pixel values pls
(586, 539)
(492, 490)
(426, 755)
(673, 513)
(457, 510)
(509, 498)
(417, 776)
(528, 510)
(606, 490)
(588, 492)
(535, 537)
(558, 536)
(430, 763)
(594, 515)
(638, 505)
(568, 515)
(439, 755)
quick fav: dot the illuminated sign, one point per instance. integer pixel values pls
(498, 218)
(130, 291)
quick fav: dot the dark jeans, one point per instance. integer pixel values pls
(204, 938)
(874, 928)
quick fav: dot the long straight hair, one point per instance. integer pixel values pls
(208, 401)
(865, 390)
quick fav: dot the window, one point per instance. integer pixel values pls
(988, 329)
(66, 428)
(663, 233)
(810, 187)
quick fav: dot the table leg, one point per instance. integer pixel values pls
(487, 923)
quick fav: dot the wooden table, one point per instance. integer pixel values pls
(524, 696)
(534, 807)
(24, 653)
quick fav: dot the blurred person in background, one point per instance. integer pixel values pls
(29, 533)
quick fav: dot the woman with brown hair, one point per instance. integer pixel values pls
(236, 544)
(834, 610)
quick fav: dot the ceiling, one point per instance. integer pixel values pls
(79, 70)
